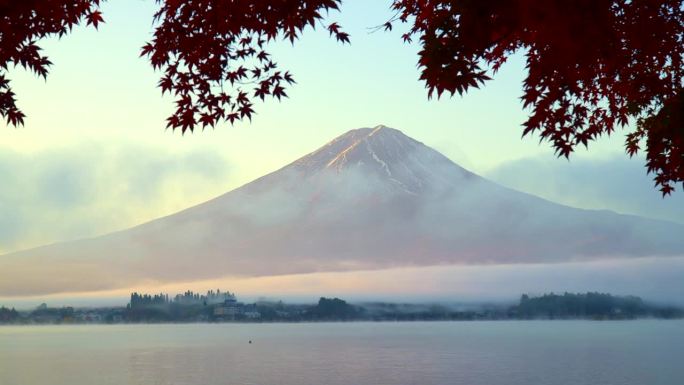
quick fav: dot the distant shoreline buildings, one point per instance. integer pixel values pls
(217, 306)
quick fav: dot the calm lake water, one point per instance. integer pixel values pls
(645, 352)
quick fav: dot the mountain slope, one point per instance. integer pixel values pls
(372, 198)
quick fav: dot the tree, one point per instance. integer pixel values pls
(593, 65)
(332, 309)
(22, 24)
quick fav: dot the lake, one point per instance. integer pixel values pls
(644, 352)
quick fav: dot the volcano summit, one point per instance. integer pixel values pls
(372, 198)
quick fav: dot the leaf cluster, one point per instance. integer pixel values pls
(593, 66)
(22, 24)
(214, 56)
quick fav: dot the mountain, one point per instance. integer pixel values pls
(372, 198)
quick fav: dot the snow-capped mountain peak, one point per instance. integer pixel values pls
(386, 153)
(372, 198)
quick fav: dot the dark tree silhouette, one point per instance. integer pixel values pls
(593, 65)
(22, 23)
(205, 47)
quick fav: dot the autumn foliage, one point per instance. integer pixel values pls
(594, 66)
(214, 58)
(22, 23)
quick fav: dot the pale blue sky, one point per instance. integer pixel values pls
(94, 155)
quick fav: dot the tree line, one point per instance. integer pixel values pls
(158, 308)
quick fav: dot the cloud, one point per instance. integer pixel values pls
(654, 279)
(92, 188)
(616, 183)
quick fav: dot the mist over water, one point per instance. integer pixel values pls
(656, 280)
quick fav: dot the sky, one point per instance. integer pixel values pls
(94, 155)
